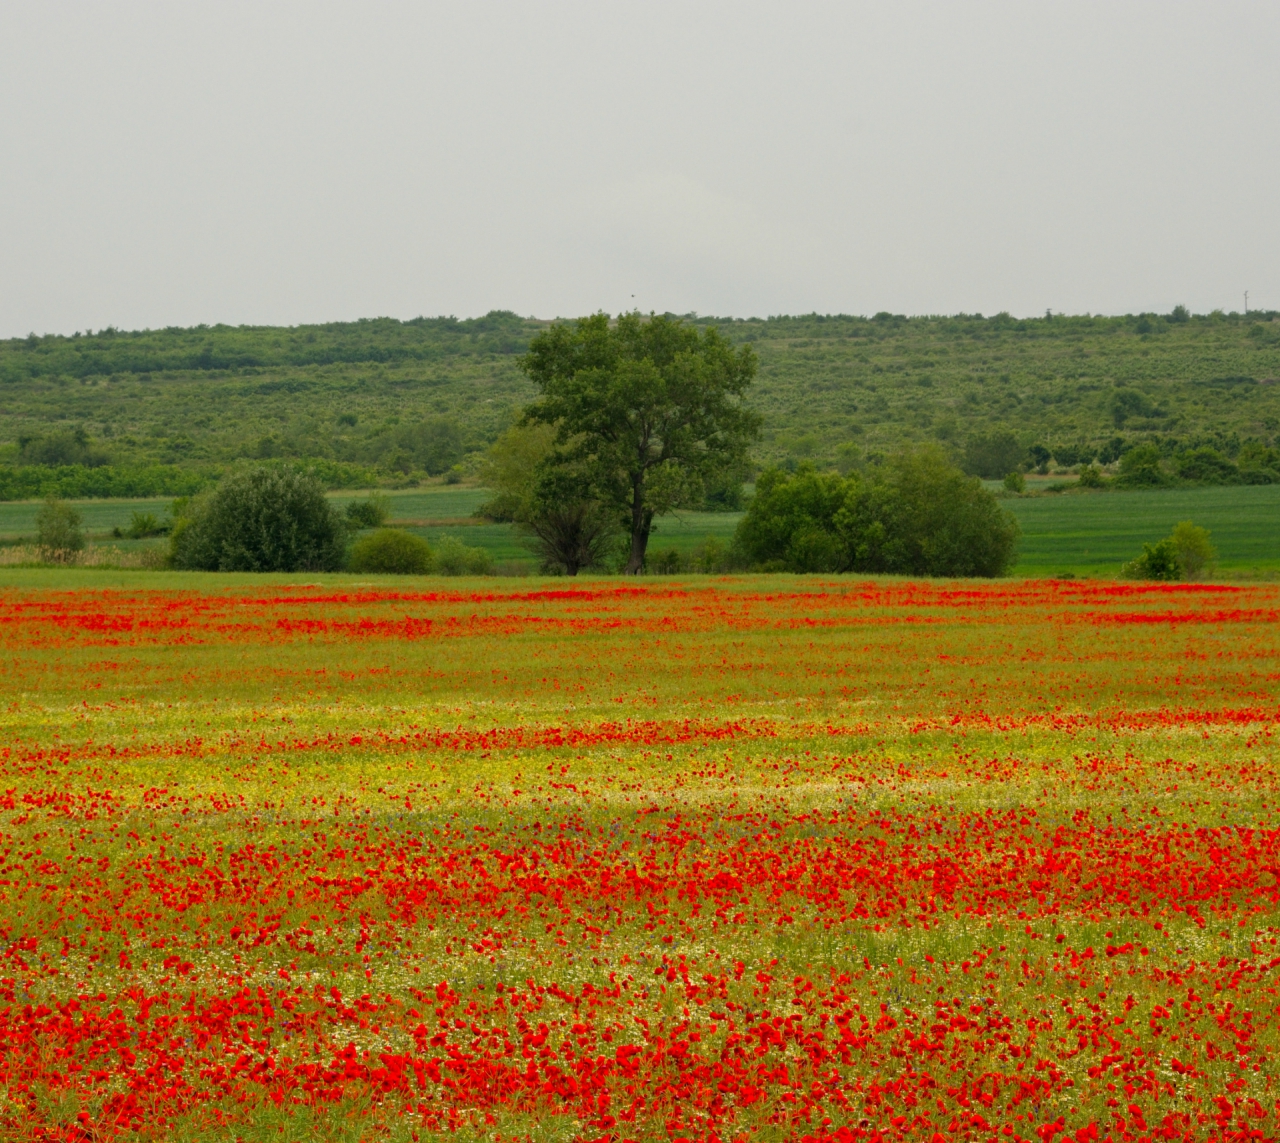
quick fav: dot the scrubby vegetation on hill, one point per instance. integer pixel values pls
(388, 401)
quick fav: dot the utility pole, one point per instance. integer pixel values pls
(1246, 301)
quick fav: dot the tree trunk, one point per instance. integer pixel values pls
(641, 522)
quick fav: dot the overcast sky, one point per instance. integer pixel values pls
(176, 163)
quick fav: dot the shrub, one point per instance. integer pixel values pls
(710, 557)
(61, 450)
(1069, 455)
(1158, 561)
(790, 522)
(921, 516)
(453, 557)
(58, 534)
(1195, 552)
(1091, 477)
(1015, 482)
(143, 525)
(390, 551)
(433, 445)
(260, 519)
(914, 515)
(669, 562)
(1185, 553)
(371, 512)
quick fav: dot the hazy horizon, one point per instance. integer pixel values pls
(304, 163)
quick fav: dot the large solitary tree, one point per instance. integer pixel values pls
(648, 409)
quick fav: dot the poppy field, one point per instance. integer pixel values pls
(752, 859)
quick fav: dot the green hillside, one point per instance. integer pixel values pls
(390, 401)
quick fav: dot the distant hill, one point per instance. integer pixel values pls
(384, 398)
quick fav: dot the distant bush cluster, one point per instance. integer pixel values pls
(914, 515)
(1185, 553)
(278, 519)
(1147, 465)
(78, 482)
(1000, 455)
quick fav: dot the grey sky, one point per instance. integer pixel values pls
(179, 163)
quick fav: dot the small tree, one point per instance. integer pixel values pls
(58, 534)
(145, 524)
(921, 516)
(571, 529)
(390, 551)
(790, 522)
(262, 519)
(1015, 482)
(1195, 552)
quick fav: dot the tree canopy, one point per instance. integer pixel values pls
(647, 409)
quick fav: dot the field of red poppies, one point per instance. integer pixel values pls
(755, 859)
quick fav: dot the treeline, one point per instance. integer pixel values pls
(221, 348)
(76, 482)
(914, 514)
(1138, 463)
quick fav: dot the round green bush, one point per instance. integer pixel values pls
(391, 551)
(263, 519)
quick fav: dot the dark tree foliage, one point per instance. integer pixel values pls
(62, 449)
(371, 512)
(263, 520)
(915, 515)
(432, 445)
(992, 455)
(650, 408)
(1140, 467)
(790, 524)
(570, 527)
(1206, 466)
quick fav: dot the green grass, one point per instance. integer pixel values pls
(18, 517)
(1081, 533)
(1094, 533)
